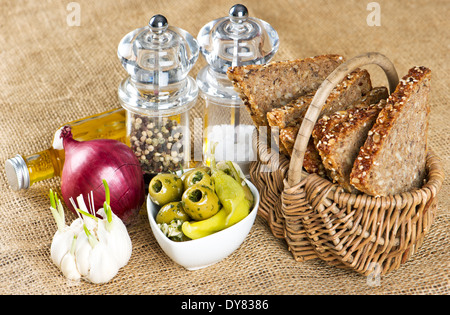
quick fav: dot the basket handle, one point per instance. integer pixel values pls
(313, 112)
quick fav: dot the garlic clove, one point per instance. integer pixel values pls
(77, 226)
(103, 266)
(82, 253)
(69, 267)
(117, 240)
(61, 243)
(122, 242)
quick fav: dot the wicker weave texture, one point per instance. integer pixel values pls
(318, 219)
(361, 232)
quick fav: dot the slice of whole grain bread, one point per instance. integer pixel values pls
(340, 144)
(345, 96)
(352, 88)
(324, 124)
(393, 157)
(264, 87)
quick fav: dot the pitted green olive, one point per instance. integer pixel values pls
(200, 202)
(199, 168)
(172, 211)
(198, 176)
(186, 174)
(165, 188)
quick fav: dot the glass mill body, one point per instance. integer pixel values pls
(231, 41)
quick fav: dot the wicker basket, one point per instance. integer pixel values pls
(318, 219)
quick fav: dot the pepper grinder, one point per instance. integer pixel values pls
(158, 94)
(231, 41)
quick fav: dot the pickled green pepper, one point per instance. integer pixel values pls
(199, 229)
(235, 206)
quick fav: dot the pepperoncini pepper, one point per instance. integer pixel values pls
(231, 194)
(199, 229)
(235, 206)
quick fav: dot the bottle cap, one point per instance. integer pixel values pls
(17, 173)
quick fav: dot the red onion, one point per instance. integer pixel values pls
(88, 163)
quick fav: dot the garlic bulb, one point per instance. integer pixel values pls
(90, 248)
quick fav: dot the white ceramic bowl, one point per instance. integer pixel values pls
(208, 250)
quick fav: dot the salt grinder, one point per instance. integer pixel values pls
(231, 41)
(158, 94)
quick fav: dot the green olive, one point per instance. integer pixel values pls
(185, 174)
(165, 188)
(199, 168)
(198, 176)
(172, 211)
(200, 202)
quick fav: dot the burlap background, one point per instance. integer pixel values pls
(51, 73)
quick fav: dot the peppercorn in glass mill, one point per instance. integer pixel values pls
(235, 40)
(158, 94)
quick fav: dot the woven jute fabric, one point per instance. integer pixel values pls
(52, 73)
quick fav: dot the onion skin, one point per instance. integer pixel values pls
(88, 163)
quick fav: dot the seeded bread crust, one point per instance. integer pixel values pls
(312, 161)
(355, 86)
(393, 157)
(288, 136)
(324, 124)
(339, 145)
(280, 117)
(344, 93)
(290, 114)
(288, 118)
(264, 87)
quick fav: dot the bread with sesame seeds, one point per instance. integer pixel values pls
(324, 124)
(264, 87)
(393, 157)
(352, 88)
(340, 143)
(312, 161)
(291, 114)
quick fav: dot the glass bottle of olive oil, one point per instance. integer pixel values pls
(24, 171)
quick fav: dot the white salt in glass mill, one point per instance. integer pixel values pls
(235, 40)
